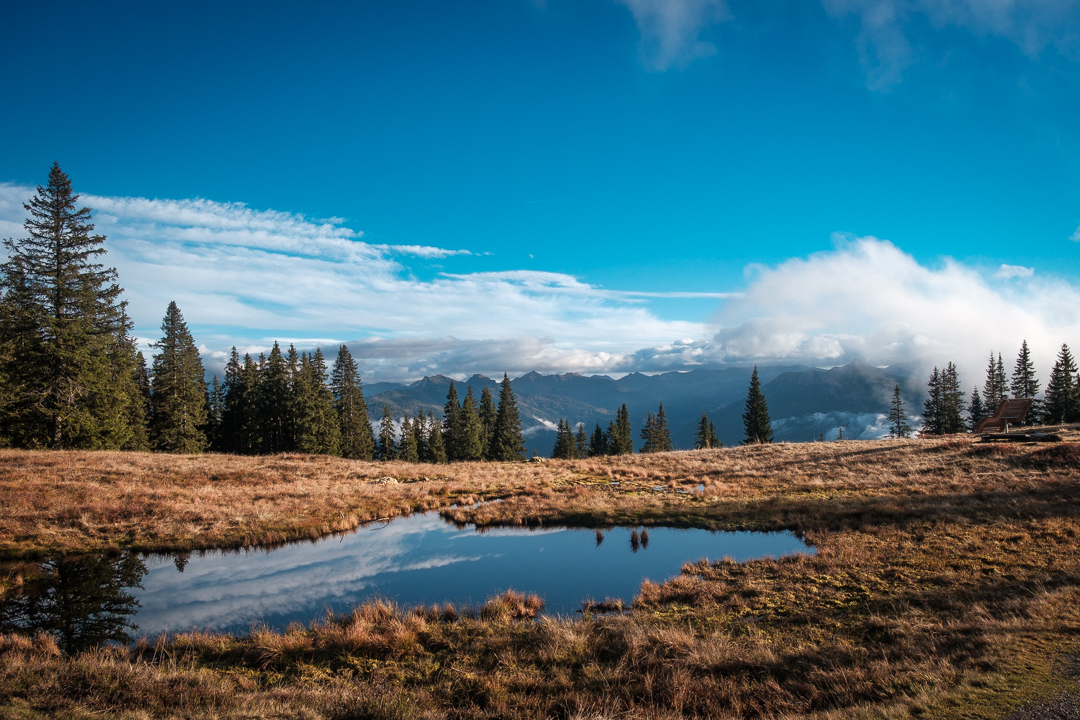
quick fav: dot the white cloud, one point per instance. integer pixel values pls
(869, 299)
(244, 277)
(1075, 237)
(1008, 272)
(885, 26)
(671, 29)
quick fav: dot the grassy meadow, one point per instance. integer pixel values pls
(946, 584)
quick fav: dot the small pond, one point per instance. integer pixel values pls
(414, 560)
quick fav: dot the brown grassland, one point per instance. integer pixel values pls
(946, 583)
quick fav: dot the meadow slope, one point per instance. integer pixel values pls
(946, 583)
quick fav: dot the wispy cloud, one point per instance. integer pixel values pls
(671, 29)
(1075, 237)
(1008, 272)
(885, 27)
(244, 276)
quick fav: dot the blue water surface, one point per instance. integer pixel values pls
(422, 559)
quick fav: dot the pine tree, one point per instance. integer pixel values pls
(316, 425)
(663, 432)
(620, 438)
(656, 435)
(1061, 393)
(953, 401)
(976, 412)
(275, 404)
(436, 450)
(63, 331)
(472, 429)
(178, 389)
(421, 436)
(409, 446)
(141, 407)
(453, 431)
(354, 425)
(898, 424)
(488, 414)
(507, 441)
(1025, 384)
(933, 412)
(581, 442)
(758, 427)
(994, 389)
(387, 436)
(598, 443)
(705, 435)
(238, 416)
(564, 442)
(215, 406)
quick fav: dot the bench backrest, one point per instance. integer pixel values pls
(1013, 410)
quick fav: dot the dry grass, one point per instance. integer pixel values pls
(946, 584)
(61, 502)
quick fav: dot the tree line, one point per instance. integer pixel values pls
(946, 412)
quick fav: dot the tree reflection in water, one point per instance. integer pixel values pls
(82, 601)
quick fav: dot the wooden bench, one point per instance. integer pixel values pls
(1009, 412)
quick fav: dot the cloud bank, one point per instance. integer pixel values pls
(245, 277)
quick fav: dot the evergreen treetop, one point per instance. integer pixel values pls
(507, 440)
(178, 389)
(898, 424)
(756, 423)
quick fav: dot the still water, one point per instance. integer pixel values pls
(415, 560)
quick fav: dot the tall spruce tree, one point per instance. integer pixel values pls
(238, 415)
(275, 403)
(215, 406)
(705, 434)
(63, 331)
(179, 389)
(507, 440)
(141, 408)
(316, 425)
(436, 450)
(598, 443)
(898, 424)
(409, 445)
(976, 411)
(581, 441)
(354, 426)
(488, 414)
(756, 424)
(1061, 403)
(453, 430)
(620, 437)
(995, 389)
(933, 412)
(1025, 385)
(953, 398)
(472, 429)
(565, 445)
(387, 436)
(655, 434)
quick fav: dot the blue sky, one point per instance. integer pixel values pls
(302, 172)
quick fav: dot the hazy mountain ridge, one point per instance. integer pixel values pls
(804, 402)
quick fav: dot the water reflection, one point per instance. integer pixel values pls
(83, 601)
(415, 560)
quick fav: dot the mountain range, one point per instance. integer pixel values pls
(804, 402)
